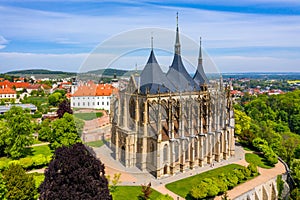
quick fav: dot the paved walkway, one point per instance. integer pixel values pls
(134, 176)
(265, 175)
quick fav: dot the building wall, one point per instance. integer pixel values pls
(8, 96)
(201, 130)
(92, 102)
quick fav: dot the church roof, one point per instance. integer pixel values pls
(153, 78)
(177, 73)
(200, 77)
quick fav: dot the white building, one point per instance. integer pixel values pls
(94, 96)
(6, 93)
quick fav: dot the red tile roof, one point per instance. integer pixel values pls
(7, 83)
(7, 90)
(92, 89)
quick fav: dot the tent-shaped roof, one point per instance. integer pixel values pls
(153, 78)
(177, 73)
(200, 77)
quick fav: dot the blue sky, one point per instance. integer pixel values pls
(239, 36)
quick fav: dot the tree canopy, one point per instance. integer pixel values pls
(16, 132)
(64, 132)
(64, 107)
(19, 185)
(74, 173)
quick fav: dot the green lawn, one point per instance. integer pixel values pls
(97, 143)
(39, 178)
(32, 151)
(38, 99)
(183, 186)
(257, 160)
(132, 193)
(88, 116)
(44, 149)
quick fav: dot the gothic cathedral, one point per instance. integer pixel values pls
(164, 123)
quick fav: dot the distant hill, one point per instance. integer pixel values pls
(111, 72)
(39, 71)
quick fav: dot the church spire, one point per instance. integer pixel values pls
(177, 43)
(200, 60)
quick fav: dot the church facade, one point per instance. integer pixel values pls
(164, 123)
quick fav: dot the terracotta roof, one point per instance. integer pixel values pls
(7, 90)
(7, 83)
(95, 90)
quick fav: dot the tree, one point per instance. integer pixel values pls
(114, 181)
(64, 132)
(242, 122)
(146, 192)
(54, 98)
(64, 107)
(19, 134)
(20, 186)
(45, 130)
(78, 175)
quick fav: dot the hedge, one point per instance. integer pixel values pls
(28, 163)
(210, 187)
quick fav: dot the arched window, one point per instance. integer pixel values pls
(186, 149)
(196, 148)
(165, 153)
(176, 149)
(132, 108)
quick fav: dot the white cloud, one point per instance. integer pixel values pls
(3, 42)
(219, 30)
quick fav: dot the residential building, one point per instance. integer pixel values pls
(91, 95)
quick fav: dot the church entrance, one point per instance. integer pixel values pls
(123, 154)
(166, 169)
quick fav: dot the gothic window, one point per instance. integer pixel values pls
(186, 150)
(196, 148)
(132, 108)
(176, 149)
(165, 153)
(123, 150)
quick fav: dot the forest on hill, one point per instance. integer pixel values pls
(273, 121)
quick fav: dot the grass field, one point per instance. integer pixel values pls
(97, 143)
(32, 151)
(44, 149)
(257, 160)
(88, 116)
(39, 178)
(183, 186)
(37, 99)
(132, 193)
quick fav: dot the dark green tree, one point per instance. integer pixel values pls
(64, 107)
(74, 173)
(20, 186)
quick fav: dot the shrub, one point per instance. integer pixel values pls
(239, 174)
(247, 172)
(253, 169)
(13, 162)
(39, 160)
(3, 165)
(232, 180)
(26, 162)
